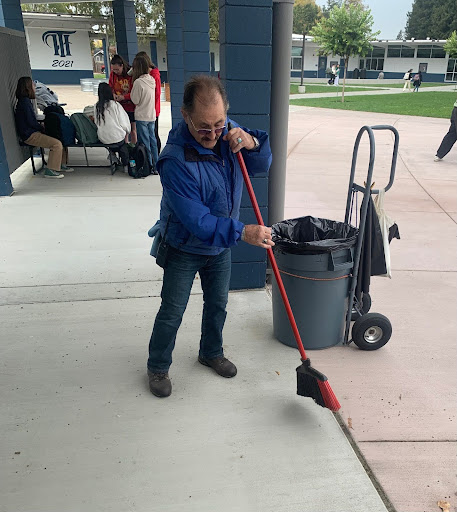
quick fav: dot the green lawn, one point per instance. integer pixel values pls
(315, 88)
(323, 87)
(395, 86)
(100, 76)
(428, 104)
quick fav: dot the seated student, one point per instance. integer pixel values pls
(31, 131)
(113, 123)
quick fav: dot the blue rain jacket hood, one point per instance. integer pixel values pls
(202, 191)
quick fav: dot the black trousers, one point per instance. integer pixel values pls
(121, 148)
(156, 131)
(450, 137)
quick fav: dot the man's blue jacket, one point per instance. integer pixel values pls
(202, 191)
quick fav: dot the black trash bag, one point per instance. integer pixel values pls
(312, 235)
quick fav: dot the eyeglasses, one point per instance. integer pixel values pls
(207, 131)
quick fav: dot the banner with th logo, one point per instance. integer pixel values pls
(59, 49)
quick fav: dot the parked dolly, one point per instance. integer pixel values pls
(370, 331)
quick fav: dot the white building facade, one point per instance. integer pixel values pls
(393, 58)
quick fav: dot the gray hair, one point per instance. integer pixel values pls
(207, 88)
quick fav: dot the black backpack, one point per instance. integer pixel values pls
(142, 167)
(60, 127)
(53, 108)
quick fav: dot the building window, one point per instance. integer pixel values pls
(375, 59)
(399, 50)
(295, 60)
(451, 72)
(430, 51)
(375, 64)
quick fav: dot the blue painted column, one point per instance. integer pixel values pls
(125, 29)
(174, 57)
(245, 35)
(195, 38)
(187, 46)
(11, 15)
(6, 188)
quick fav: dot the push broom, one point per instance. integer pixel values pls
(310, 382)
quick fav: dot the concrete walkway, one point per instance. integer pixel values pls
(79, 293)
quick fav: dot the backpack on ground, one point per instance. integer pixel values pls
(86, 130)
(139, 153)
(60, 127)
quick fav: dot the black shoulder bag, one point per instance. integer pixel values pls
(162, 251)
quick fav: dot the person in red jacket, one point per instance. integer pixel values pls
(121, 84)
(155, 73)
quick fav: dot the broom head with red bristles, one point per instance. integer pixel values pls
(314, 384)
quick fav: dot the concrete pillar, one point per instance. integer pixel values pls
(195, 37)
(245, 35)
(174, 57)
(187, 46)
(125, 29)
(11, 15)
(280, 91)
(6, 188)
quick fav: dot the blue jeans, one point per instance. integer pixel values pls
(178, 278)
(146, 136)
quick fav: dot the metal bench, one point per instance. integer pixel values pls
(31, 151)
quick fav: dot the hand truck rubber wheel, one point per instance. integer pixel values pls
(371, 331)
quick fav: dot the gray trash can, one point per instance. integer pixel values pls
(317, 281)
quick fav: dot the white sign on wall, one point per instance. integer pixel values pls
(59, 49)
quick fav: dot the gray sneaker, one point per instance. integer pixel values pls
(49, 173)
(159, 384)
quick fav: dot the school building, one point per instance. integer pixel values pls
(392, 58)
(60, 53)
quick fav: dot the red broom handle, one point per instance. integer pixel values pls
(271, 257)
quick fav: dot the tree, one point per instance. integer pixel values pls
(431, 18)
(451, 45)
(400, 36)
(150, 15)
(338, 3)
(346, 32)
(306, 14)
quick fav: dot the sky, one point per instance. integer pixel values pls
(389, 15)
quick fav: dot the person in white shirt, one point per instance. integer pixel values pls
(113, 123)
(337, 75)
(143, 96)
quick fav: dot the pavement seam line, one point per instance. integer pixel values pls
(376, 484)
(409, 441)
(304, 137)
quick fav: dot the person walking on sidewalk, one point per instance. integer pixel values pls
(450, 138)
(337, 75)
(32, 132)
(417, 80)
(202, 186)
(143, 96)
(113, 124)
(407, 80)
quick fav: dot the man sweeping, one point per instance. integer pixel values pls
(199, 222)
